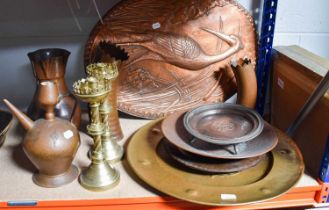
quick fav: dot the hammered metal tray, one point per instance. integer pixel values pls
(163, 44)
(223, 123)
(276, 174)
(174, 130)
(203, 164)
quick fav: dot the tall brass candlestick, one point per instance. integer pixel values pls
(106, 72)
(99, 175)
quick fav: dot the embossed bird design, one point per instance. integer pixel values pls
(181, 63)
(180, 50)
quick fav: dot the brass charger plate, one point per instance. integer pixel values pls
(275, 175)
(223, 123)
(204, 164)
(173, 129)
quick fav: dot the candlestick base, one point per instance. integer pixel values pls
(112, 151)
(99, 176)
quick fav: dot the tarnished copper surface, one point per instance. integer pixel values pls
(5, 122)
(276, 174)
(204, 164)
(173, 129)
(49, 143)
(223, 123)
(244, 72)
(50, 64)
(179, 52)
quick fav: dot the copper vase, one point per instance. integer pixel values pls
(50, 64)
(113, 120)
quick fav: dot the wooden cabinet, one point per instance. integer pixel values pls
(296, 73)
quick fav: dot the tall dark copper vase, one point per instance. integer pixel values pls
(50, 64)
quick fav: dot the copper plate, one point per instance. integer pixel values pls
(174, 130)
(275, 175)
(223, 123)
(203, 164)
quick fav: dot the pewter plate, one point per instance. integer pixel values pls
(207, 165)
(174, 130)
(275, 175)
(223, 123)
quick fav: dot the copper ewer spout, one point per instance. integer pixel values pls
(23, 119)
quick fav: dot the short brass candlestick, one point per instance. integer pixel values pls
(106, 72)
(99, 175)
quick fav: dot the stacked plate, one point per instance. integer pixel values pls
(219, 155)
(218, 138)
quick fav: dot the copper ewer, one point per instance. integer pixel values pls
(49, 143)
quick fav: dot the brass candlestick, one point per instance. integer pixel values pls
(99, 175)
(106, 72)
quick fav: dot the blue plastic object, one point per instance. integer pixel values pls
(264, 52)
(22, 203)
(324, 171)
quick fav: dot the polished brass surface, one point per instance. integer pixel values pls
(204, 164)
(223, 123)
(276, 174)
(179, 53)
(110, 67)
(112, 151)
(99, 175)
(5, 122)
(106, 72)
(51, 143)
(173, 129)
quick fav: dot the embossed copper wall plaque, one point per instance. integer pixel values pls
(179, 52)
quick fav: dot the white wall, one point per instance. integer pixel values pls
(27, 25)
(304, 23)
